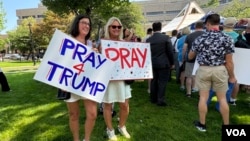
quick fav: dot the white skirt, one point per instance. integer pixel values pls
(117, 91)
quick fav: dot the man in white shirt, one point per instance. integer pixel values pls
(149, 33)
(175, 50)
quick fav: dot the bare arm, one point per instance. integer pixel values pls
(244, 21)
(230, 68)
(184, 49)
(191, 55)
(129, 36)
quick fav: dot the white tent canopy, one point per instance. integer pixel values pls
(188, 15)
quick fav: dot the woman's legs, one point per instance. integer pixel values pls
(74, 113)
(107, 113)
(124, 112)
(91, 114)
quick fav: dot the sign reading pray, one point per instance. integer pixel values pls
(132, 59)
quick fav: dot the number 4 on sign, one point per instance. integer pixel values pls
(79, 68)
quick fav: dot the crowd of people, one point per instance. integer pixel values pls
(209, 44)
(212, 47)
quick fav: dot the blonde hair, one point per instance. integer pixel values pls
(186, 30)
(110, 21)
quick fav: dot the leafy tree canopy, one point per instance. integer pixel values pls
(100, 11)
(2, 16)
(20, 37)
(80, 6)
(2, 22)
(238, 9)
(43, 31)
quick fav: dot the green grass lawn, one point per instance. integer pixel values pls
(31, 112)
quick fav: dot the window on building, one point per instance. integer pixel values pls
(152, 21)
(25, 17)
(173, 12)
(40, 16)
(154, 13)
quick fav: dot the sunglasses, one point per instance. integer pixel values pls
(114, 27)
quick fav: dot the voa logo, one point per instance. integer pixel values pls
(236, 132)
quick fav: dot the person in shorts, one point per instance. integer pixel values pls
(214, 51)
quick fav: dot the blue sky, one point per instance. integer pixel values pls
(10, 7)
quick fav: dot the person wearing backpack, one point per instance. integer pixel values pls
(175, 50)
(189, 64)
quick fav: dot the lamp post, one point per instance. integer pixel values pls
(9, 46)
(32, 46)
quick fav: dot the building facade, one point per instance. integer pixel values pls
(166, 10)
(153, 10)
(36, 13)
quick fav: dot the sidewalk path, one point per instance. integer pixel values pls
(19, 69)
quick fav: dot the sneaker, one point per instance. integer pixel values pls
(182, 88)
(200, 126)
(232, 103)
(148, 91)
(124, 132)
(111, 135)
(188, 95)
(194, 90)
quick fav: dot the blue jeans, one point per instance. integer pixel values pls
(228, 95)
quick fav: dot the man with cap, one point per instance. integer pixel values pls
(228, 25)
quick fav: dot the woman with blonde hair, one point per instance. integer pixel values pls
(117, 90)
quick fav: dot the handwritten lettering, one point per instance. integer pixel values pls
(71, 79)
(126, 57)
(79, 53)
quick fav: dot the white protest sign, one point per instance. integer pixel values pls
(74, 67)
(241, 67)
(132, 59)
(241, 59)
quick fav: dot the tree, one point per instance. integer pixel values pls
(238, 9)
(2, 22)
(211, 3)
(100, 11)
(20, 37)
(129, 14)
(79, 6)
(30, 37)
(2, 17)
(42, 32)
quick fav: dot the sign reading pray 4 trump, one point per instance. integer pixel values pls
(74, 67)
(132, 59)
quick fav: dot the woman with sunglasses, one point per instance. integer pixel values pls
(117, 90)
(80, 30)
